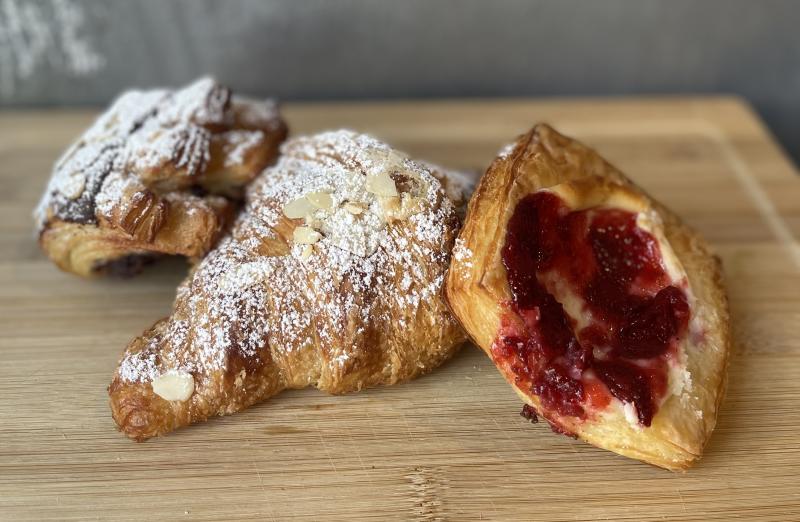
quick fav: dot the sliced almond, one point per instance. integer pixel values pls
(74, 188)
(305, 236)
(395, 159)
(306, 253)
(298, 208)
(410, 205)
(381, 184)
(313, 222)
(321, 200)
(354, 208)
(174, 386)
(399, 208)
(389, 160)
(390, 206)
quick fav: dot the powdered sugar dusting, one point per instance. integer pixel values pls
(256, 113)
(506, 150)
(239, 144)
(135, 367)
(462, 253)
(257, 289)
(457, 185)
(158, 139)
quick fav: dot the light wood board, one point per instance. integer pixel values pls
(448, 446)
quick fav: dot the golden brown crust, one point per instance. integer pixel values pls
(261, 313)
(160, 172)
(476, 288)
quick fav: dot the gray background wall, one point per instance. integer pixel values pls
(79, 52)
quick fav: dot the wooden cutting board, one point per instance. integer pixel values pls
(448, 446)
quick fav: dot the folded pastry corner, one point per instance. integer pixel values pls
(158, 173)
(331, 276)
(604, 311)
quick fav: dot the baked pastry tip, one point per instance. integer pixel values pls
(331, 276)
(160, 172)
(604, 311)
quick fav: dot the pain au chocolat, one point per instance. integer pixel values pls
(604, 311)
(331, 277)
(160, 172)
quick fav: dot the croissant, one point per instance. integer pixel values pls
(330, 277)
(158, 173)
(604, 311)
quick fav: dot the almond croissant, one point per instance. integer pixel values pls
(331, 277)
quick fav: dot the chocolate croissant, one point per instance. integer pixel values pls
(331, 277)
(604, 311)
(158, 173)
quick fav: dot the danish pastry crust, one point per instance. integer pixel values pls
(477, 291)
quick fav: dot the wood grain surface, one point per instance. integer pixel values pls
(448, 446)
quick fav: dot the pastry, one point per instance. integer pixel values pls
(603, 310)
(158, 173)
(330, 277)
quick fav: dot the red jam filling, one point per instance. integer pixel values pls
(633, 316)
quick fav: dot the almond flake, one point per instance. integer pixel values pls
(74, 188)
(353, 208)
(390, 207)
(410, 205)
(298, 208)
(400, 208)
(395, 159)
(312, 221)
(305, 235)
(307, 251)
(321, 200)
(381, 184)
(390, 160)
(174, 386)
